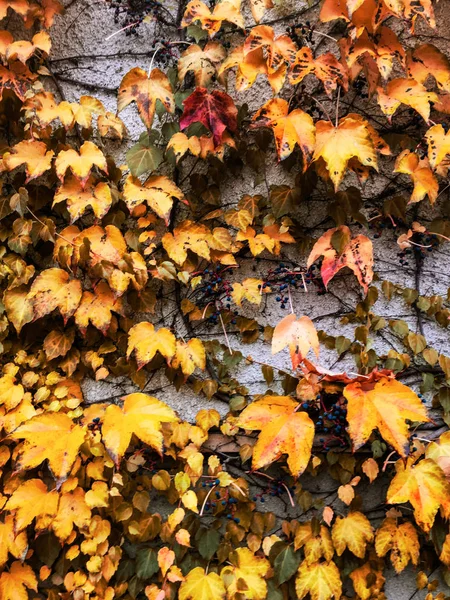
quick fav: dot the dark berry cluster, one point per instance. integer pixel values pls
(427, 242)
(281, 279)
(131, 13)
(275, 489)
(330, 417)
(221, 501)
(215, 292)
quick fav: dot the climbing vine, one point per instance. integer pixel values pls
(152, 275)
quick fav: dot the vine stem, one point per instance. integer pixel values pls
(120, 30)
(291, 499)
(206, 499)
(225, 333)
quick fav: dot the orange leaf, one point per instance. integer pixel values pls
(158, 192)
(227, 10)
(353, 532)
(11, 542)
(427, 60)
(409, 92)
(32, 500)
(299, 334)
(33, 155)
(80, 163)
(72, 510)
(13, 584)
(79, 197)
(96, 308)
(203, 63)
(422, 176)
(325, 67)
(53, 289)
(145, 342)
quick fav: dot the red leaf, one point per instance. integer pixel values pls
(216, 111)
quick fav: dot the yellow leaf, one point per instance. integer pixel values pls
(423, 485)
(19, 307)
(321, 580)
(409, 92)
(203, 63)
(79, 198)
(439, 451)
(385, 405)
(145, 90)
(72, 511)
(97, 496)
(166, 558)
(140, 415)
(190, 500)
(401, 540)
(201, 586)
(284, 430)
(158, 192)
(53, 289)
(32, 500)
(246, 576)
(33, 155)
(207, 418)
(368, 580)
(183, 537)
(187, 236)
(227, 10)
(80, 163)
(111, 126)
(189, 356)
(325, 67)
(96, 308)
(299, 334)
(353, 532)
(66, 440)
(145, 342)
(426, 60)
(11, 394)
(337, 145)
(316, 544)
(11, 541)
(13, 583)
(425, 183)
(250, 289)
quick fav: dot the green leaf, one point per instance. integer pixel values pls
(197, 33)
(142, 158)
(286, 563)
(208, 542)
(146, 563)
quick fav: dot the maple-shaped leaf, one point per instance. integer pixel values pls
(246, 575)
(321, 580)
(279, 49)
(423, 9)
(158, 192)
(259, 7)
(85, 109)
(386, 405)
(401, 540)
(23, 50)
(15, 581)
(250, 289)
(325, 67)
(368, 579)
(189, 355)
(145, 342)
(249, 66)
(187, 236)
(58, 343)
(80, 163)
(216, 111)
(66, 437)
(72, 510)
(11, 394)
(53, 289)
(409, 92)
(211, 21)
(203, 63)
(257, 242)
(299, 334)
(439, 451)
(337, 145)
(284, 430)
(289, 128)
(316, 544)
(111, 126)
(32, 500)
(79, 198)
(11, 541)
(21, 7)
(199, 585)
(140, 415)
(356, 254)
(438, 141)
(96, 308)
(425, 486)
(34, 155)
(426, 60)
(180, 143)
(137, 86)
(353, 532)
(423, 178)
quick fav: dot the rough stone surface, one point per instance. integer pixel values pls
(87, 60)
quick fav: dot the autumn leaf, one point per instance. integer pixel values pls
(79, 198)
(426, 60)
(423, 485)
(13, 583)
(201, 586)
(72, 511)
(337, 145)
(145, 342)
(257, 242)
(249, 66)
(368, 579)
(250, 289)
(30, 501)
(401, 540)
(211, 21)
(356, 254)
(299, 334)
(11, 541)
(33, 154)
(203, 63)
(58, 343)
(422, 176)
(111, 126)
(189, 355)
(280, 50)
(406, 91)
(439, 451)
(289, 128)
(316, 544)
(137, 86)
(259, 7)
(96, 308)
(53, 289)
(11, 393)
(141, 415)
(386, 405)
(216, 111)
(246, 575)
(321, 580)
(180, 143)
(187, 236)
(158, 192)
(23, 50)
(325, 67)
(19, 307)
(284, 430)
(66, 437)
(80, 163)
(353, 532)
(438, 141)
